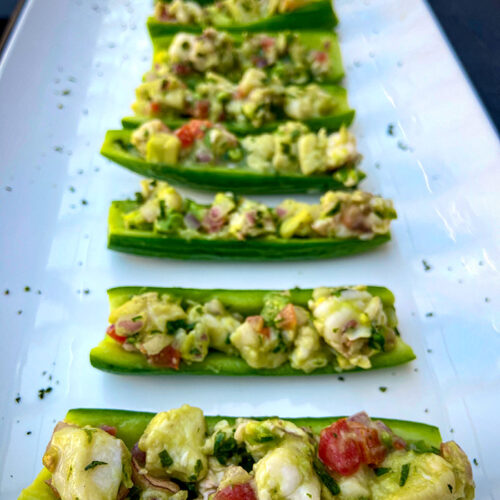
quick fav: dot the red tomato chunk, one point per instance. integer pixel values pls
(346, 445)
(236, 492)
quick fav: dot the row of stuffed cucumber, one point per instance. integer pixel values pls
(250, 332)
(207, 156)
(180, 454)
(296, 58)
(160, 222)
(240, 15)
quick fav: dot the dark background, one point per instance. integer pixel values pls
(472, 27)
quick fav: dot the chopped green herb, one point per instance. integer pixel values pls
(66, 92)
(325, 477)
(382, 388)
(377, 340)
(90, 433)
(390, 129)
(405, 471)
(264, 439)
(173, 326)
(94, 464)
(422, 447)
(27, 289)
(331, 213)
(165, 459)
(450, 487)
(136, 318)
(197, 467)
(224, 448)
(380, 471)
(42, 392)
(475, 462)
(427, 266)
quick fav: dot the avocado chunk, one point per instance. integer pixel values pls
(163, 148)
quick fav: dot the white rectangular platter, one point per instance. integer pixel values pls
(68, 73)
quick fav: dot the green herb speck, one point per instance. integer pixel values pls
(380, 471)
(94, 464)
(405, 471)
(165, 459)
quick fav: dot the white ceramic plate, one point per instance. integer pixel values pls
(69, 73)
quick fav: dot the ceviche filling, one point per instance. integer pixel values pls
(343, 327)
(292, 148)
(180, 457)
(223, 12)
(256, 99)
(281, 55)
(338, 215)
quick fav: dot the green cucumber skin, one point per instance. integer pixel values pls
(246, 302)
(330, 123)
(310, 39)
(109, 356)
(319, 14)
(131, 424)
(215, 178)
(149, 244)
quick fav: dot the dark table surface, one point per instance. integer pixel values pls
(473, 29)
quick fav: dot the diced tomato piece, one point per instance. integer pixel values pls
(201, 109)
(155, 107)
(194, 129)
(236, 492)
(267, 43)
(266, 331)
(181, 69)
(169, 357)
(112, 333)
(287, 319)
(321, 57)
(257, 323)
(109, 429)
(345, 445)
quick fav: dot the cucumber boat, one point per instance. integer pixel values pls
(161, 223)
(250, 332)
(240, 16)
(253, 105)
(206, 156)
(296, 58)
(97, 454)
